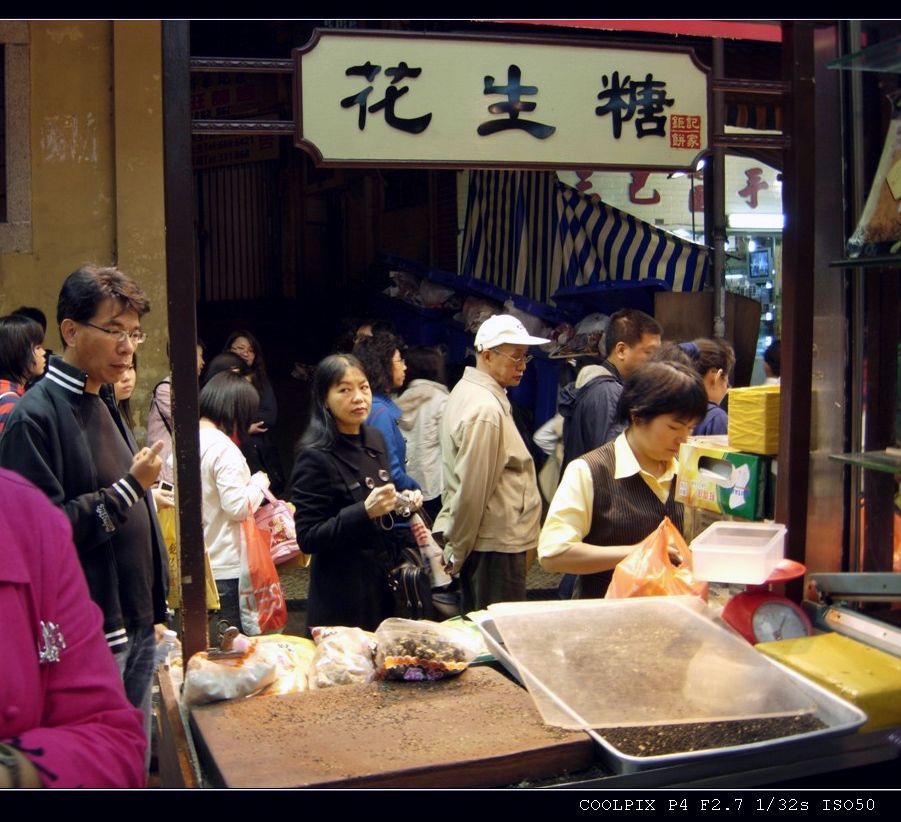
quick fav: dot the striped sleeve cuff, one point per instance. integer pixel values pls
(116, 640)
(129, 489)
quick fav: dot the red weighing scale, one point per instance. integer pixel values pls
(760, 615)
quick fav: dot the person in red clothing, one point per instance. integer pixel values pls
(65, 721)
(21, 360)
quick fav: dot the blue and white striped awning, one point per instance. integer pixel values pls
(530, 234)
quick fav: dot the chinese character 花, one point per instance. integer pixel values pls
(412, 125)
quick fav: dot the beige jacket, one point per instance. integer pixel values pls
(490, 499)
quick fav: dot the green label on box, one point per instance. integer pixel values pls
(721, 480)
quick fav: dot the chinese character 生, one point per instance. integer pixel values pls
(514, 91)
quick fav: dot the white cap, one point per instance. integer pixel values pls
(504, 328)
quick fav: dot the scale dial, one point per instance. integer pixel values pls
(775, 620)
(761, 616)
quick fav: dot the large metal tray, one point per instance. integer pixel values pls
(839, 716)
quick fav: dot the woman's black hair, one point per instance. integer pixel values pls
(18, 337)
(321, 431)
(426, 362)
(376, 353)
(230, 402)
(34, 313)
(669, 351)
(708, 354)
(258, 369)
(657, 388)
(225, 362)
(125, 405)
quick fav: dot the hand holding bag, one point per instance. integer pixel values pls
(648, 570)
(263, 607)
(278, 519)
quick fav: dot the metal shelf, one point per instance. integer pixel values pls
(881, 261)
(884, 57)
(874, 460)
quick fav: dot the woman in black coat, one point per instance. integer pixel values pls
(343, 495)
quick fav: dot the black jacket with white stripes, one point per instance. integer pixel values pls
(46, 442)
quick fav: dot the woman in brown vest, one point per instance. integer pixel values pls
(612, 498)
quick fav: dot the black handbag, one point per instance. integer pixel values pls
(410, 585)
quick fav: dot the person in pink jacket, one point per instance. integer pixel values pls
(64, 719)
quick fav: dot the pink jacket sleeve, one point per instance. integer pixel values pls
(71, 717)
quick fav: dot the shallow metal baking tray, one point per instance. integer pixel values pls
(839, 716)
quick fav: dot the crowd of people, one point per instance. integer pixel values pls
(387, 436)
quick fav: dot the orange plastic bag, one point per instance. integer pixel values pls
(263, 606)
(649, 572)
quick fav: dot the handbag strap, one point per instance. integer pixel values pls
(155, 401)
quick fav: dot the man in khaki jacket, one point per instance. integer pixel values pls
(491, 508)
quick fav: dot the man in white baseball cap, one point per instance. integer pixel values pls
(491, 508)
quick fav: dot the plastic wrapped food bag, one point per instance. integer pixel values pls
(292, 657)
(212, 680)
(343, 657)
(416, 650)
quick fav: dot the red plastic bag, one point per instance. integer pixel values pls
(263, 607)
(649, 572)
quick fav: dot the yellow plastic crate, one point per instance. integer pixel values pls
(865, 676)
(754, 419)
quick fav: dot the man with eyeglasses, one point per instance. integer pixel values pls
(491, 508)
(66, 436)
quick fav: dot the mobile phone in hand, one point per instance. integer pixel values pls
(166, 486)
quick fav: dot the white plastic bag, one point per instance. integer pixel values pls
(211, 680)
(343, 657)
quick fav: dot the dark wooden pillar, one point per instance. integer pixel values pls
(180, 287)
(797, 287)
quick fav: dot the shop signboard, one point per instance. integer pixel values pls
(386, 99)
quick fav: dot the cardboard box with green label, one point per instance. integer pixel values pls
(721, 479)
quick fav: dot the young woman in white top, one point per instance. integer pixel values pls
(228, 404)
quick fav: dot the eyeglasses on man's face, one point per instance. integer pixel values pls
(517, 361)
(120, 335)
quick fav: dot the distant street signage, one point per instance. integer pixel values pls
(227, 96)
(368, 98)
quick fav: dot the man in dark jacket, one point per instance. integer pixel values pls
(589, 413)
(66, 436)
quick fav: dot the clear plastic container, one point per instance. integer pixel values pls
(739, 552)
